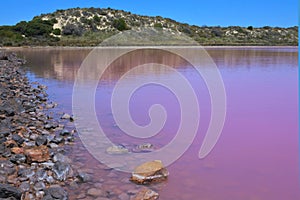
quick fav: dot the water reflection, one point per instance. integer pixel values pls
(63, 63)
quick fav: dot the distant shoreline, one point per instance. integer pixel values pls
(92, 47)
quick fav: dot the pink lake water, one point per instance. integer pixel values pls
(257, 155)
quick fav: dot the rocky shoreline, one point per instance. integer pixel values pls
(34, 141)
(32, 160)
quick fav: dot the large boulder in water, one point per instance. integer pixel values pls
(148, 172)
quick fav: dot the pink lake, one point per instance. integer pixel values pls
(257, 155)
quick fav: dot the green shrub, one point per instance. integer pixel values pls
(71, 29)
(56, 31)
(158, 25)
(96, 19)
(250, 28)
(120, 24)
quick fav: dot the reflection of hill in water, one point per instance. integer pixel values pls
(62, 64)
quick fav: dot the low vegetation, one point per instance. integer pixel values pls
(90, 26)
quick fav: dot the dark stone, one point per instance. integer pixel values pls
(18, 139)
(41, 175)
(18, 158)
(2, 140)
(41, 140)
(4, 133)
(11, 107)
(70, 139)
(7, 191)
(55, 193)
(25, 174)
(39, 186)
(29, 106)
(65, 132)
(41, 97)
(58, 139)
(4, 151)
(83, 177)
(24, 187)
(49, 126)
(61, 171)
(6, 168)
(2, 148)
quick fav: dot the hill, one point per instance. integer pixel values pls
(91, 26)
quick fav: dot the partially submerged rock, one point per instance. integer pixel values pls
(143, 148)
(61, 171)
(55, 192)
(146, 194)
(149, 172)
(117, 150)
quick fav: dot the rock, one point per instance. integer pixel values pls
(2, 140)
(94, 192)
(17, 150)
(47, 165)
(49, 106)
(48, 126)
(66, 116)
(39, 194)
(83, 177)
(70, 139)
(117, 150)
(11, 143)
(148, 172)
(53, 145)
(7, 191)
(65, 132)
(6, 168)
(12, 180)
(41, 175)
(55, 193)
(50, 179)
(18, 139)
(58, 139)
(25, 174)
(24, 187)
(37, 154)
(143, 148)
(61, 171)
(39, 186)
(4, 151)
(18, 158)
(41, 140)
(146, 194)
(30, 144)
(61, 158)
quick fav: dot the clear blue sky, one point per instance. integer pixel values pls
(257, 13)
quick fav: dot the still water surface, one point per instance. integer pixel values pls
(257, 155)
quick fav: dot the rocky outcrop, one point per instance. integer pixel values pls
(149, 172)
(30, 139)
